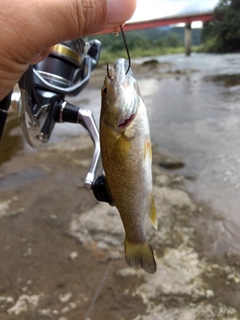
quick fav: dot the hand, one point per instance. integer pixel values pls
(30, 28)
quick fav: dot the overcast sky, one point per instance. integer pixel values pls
(152, 9)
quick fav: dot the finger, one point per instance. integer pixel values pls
(47, 22)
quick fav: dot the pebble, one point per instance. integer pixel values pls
(65, 310)
(65, 297)
(126, 272)
(209, 294)
(55, 312)
(73, 255)
(115, 255)
(171, 163)
(53, 217)
(102, 246)
(73, 305)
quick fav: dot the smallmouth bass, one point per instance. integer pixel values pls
(127, 161)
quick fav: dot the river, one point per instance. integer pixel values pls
(194, 115)
(197, 117)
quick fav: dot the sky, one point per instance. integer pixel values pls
(152, 9)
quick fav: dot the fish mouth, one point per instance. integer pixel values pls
(124, 96)
(118, 71)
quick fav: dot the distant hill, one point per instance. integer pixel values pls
(167, 36)
(156, 33)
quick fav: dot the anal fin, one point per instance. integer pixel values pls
(153, 213)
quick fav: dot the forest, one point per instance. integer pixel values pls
(148, 42)
(222, 34)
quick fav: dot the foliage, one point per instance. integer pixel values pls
(110, 57)
(222, 34)
(146, 42)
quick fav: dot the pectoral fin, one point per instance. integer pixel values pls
(153, 213)
(147, 150)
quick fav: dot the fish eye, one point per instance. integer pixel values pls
(104, 91)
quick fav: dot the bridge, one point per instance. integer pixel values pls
(185, 18)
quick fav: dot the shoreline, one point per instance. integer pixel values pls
(61, 242)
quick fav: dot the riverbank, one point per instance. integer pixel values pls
(59, 246)
(57, 243)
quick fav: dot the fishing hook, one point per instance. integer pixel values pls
(128, 54)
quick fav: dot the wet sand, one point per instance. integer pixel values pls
(62, 252)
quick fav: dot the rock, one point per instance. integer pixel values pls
(101, 223)
(28, 253)
(179, 273)
(209, 294)
(171, 163)
(173, 198)
(80, 142)
(102, 246)
(53, 217)
(4, 301)
(55, 312)
(165, 161)
(4, 207)
(65, 297)
(151, 62)
(65, 310)
(24, 303)
(126, 272)
(115, 255)
(72, 305)
(45, 312)
(163, 180)
(73, 255)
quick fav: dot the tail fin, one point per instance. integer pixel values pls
(140, 255)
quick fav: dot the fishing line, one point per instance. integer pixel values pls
(116, 33)
(104, 278)
(126, 47)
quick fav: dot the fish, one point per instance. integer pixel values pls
(126, 154)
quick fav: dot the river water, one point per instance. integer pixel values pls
(197, 117)
(194, 116)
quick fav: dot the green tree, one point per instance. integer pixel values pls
(222, 34)
(235, 4)
(173, 40)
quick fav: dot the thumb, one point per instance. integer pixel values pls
(37, 27)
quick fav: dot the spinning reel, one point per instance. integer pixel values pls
(41, 102)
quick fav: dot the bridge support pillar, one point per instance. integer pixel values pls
(188, 38)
